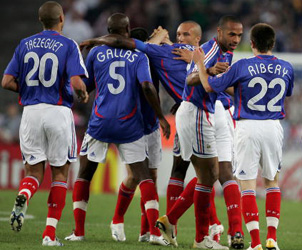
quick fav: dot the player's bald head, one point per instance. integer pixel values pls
(118, 23)
(50, 14)
(189, 32)
(194, 26)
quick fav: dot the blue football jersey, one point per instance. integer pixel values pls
(197, 94)
(214, 54)
(172, 73)
(43, 65)
(115, 74)
(261, 84)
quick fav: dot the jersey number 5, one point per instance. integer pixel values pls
(117, 77)
(39, 65)
(264, 87)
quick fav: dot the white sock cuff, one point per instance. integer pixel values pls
(25, 190)
(80, 204)
(51, 222)
(272, 222)
(152, 204)
(252, 225)
(35, 179)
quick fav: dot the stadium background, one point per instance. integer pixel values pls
(87, 18)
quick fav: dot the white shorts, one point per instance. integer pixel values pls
(223, 135)
(47, 133)
(131, 152)
(154, 149)
(258, 143)
(231, 121)
(196, 131)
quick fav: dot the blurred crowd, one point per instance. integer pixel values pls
(87, 18)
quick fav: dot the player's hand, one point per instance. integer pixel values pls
(165, 127)
(198, 55)
(183, 54)
(174, 108)
(84, 98)
(219, 67)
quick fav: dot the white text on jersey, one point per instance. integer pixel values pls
(43, 43)
(111, 53)
(261, 68)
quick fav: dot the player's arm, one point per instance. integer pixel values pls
(9, 82)
(230, 91)
(198, 58)
(113, 40)
(193, 79)
(79, 88)
(151, 96)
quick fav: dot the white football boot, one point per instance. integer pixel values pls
(117, 231)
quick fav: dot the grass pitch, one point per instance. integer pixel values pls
(100, 211)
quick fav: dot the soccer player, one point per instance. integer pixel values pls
(43, 71)
(219, 56)
(116, 75)
(261, 84)
(172, 74)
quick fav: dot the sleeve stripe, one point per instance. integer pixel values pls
(81, 59)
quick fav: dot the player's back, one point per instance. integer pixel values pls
(172, 73)
(262, 83)
(116, 74)
(44, 63)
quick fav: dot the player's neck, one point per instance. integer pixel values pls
(56, 28)
(256, 52)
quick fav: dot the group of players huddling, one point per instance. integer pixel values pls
(223, 139)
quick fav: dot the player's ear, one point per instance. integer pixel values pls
(252, 45)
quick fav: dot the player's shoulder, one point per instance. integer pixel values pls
(284, 62)
(183, 46)
(209, 44)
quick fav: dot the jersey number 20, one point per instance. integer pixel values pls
(39, 64)
(264, 87)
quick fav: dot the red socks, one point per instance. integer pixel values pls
(250, 215)
(213, 215)
(273, 203)
(174, 189)
(202, 197)
(183, 203)
(124, 199)
(232, 200)
(144, 219)
(28, 186)
(80, 197)
(150, 200)
(56, 203)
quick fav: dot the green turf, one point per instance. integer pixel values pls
(100, 211)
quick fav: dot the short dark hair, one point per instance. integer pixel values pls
(140, 34)
(49, 14)
(228, 18)
(263, 36)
